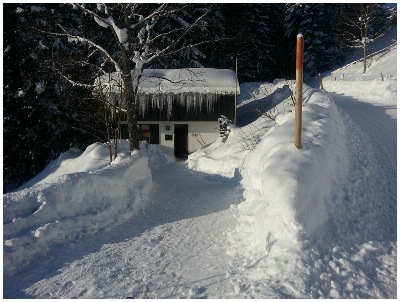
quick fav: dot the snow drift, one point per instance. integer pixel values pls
(227, 158)
(95, 157)
(286, 189)
(74, 204)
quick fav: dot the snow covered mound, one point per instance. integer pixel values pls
(73, 204)
(287, 192)
(95, 157)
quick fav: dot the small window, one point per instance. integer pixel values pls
(144, 133)
(168, 137)
(123, 128)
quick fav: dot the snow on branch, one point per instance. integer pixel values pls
(101, 22)
(121, 33)
(89, 86)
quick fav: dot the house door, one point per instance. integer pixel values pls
(181, 140)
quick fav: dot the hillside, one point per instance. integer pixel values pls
(253, 217)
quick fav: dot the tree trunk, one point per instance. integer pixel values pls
(130, 94)
(364, 41)
(131, 113)
(107, 120)
(115, 148)
(364, 33)
(365, 55)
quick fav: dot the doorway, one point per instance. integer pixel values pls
(181, 140)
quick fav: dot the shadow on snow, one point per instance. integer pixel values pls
(179, 193)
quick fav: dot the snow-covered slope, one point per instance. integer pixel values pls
(378, 84)
(288, 184)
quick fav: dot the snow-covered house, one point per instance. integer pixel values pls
(179, 108)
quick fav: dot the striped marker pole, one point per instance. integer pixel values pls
(299, 90)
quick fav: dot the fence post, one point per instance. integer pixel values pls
(321, 86)
(299, 90)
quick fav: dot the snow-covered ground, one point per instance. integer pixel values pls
(253, 217)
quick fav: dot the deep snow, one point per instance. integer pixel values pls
(253, 217)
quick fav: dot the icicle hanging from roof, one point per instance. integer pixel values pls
(193, 89)
(175, 81)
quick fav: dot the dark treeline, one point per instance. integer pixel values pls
(44, 114)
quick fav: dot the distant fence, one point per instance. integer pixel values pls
(383, 50)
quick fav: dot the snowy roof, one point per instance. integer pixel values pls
(199, 80)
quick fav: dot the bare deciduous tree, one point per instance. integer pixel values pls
(358, 31)
(140, 37)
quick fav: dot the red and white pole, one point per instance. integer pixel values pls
(299, 90)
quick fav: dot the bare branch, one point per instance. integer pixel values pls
(165, 50)
(84, 40)
(156, 12)
(75, 83)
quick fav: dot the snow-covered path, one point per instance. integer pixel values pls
(176, 250)
(371, 141)
(363, 242)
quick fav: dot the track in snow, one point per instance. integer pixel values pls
(360, 261)
(177, 250)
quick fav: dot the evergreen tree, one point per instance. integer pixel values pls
(280, 62)
(34, 99)
(317, 23)
(382, 17)
(251, 37)
(207, 29)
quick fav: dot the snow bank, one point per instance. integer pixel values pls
(288, 192)
(95, 157)
(73, 205)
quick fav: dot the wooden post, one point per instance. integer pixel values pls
(299, 90)
(321, 86)
(236, 83)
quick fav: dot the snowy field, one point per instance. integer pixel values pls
(253, 217)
